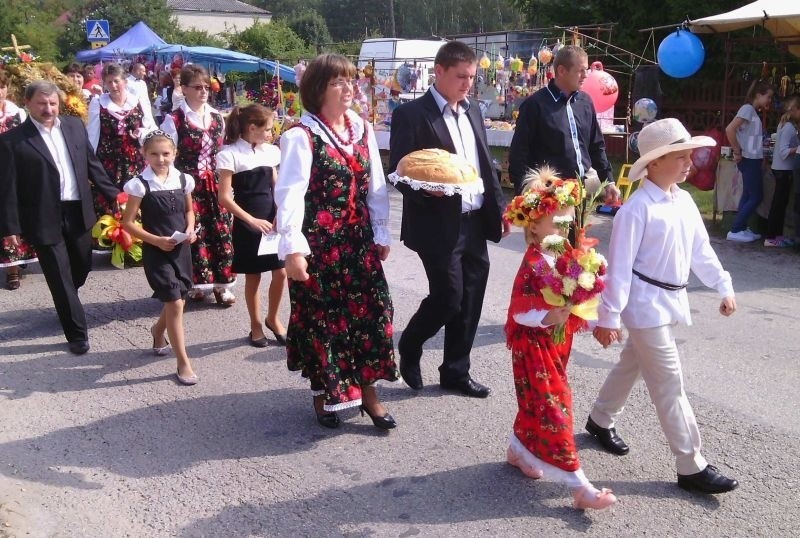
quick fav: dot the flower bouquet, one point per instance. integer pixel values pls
(109, 233)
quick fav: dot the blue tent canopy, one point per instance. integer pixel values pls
(222, 59)
(137, 39)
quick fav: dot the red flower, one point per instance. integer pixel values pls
(325, 219)
(122, 198)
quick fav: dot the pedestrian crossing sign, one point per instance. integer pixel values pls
(97, 30)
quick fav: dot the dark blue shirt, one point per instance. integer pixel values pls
(542, 136)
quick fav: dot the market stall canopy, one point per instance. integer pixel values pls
(780, 17)
(137, 39)
(222, 59)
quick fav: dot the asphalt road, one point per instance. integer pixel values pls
(107, 444)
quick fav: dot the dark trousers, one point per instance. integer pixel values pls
(780, 200)
(752, 192)
(457, 283)
(66, 265)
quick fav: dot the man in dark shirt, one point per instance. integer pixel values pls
(558, 126)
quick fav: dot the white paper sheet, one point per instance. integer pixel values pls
(268, 244)
(179, 237)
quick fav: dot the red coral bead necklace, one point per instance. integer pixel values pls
(350, 131)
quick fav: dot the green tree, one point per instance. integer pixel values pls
(311, 27)
(274, 41)
(31, 21)
(195, 37)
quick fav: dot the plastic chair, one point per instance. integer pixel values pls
(623, 182)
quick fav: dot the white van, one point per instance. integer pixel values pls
(410, 61)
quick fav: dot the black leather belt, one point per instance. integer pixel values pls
(469, 214)
(658, 283)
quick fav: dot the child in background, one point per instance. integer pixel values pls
(657, 237)
(164, 196)
(745, 135)
(246, 168)
(543, 442)
(784, 161)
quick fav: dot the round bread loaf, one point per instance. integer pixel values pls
(437, 166)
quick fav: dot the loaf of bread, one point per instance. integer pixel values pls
(437, 166)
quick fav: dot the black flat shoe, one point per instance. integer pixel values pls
(280, 338)
(329, 420)
(608, 437)
(468, 387)
(386, 422)
(78, 347)
(709, 480)
(260, 342)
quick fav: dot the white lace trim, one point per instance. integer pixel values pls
(343, 405)
(449, 189)
(308, 120)
(573, 479)
(316, 392)
(210, 287)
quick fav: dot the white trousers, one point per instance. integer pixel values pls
(652, 354)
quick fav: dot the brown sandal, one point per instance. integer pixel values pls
(12, 280)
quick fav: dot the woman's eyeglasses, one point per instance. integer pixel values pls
(341, 83)
(200, 87)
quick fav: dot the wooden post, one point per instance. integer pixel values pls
(16, 47)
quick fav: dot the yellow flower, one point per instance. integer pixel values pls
(591, 261)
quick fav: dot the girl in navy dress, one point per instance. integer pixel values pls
(246, 168)
(164, 196)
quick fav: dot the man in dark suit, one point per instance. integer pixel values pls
(448, 233)
(45, 196)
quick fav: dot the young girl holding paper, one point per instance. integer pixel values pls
(246, 167)
(164, 196)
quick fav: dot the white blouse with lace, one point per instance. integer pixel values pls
(119, 112)
(290, 191)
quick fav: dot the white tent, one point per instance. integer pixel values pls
(780, 17)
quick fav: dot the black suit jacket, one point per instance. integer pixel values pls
(432, 223)
(30, 188)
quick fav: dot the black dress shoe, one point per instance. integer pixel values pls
(280, 338)
(411, 374)
(709, 480)
(257, 342)
(608, 438)
(468, 387)
(78, 347)
(386, 422)
(329, 420)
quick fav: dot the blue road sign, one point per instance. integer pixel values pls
(98, 30)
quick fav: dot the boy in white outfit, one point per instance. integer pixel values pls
(657, 238)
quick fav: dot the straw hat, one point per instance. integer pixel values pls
(661, 137)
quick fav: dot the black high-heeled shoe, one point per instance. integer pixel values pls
(328, 420)
(280, 338)
(386, 422)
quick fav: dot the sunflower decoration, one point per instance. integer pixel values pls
(544, 192)
(22, 74)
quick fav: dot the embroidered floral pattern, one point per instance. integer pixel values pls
(22, 252)
(212, 253)
(544, 421)
(340, 329)
(118, 151)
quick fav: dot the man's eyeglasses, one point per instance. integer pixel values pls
(342, 83)
(200, 87)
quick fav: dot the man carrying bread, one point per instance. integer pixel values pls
(558, 126)
(448, 231)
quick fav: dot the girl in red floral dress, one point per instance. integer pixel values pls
(543, 443)
(333, 207)
(12, 256)
(198, 130)
(117, 123)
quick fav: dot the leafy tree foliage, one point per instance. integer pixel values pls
(311, 27)
(273, 40)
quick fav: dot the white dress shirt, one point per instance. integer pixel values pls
(464, 140)
(661, 235)
(119, 112)
(54, 139)
(290, 191)
(134, 186)
(201, 120)
(241, 156)
(139, 87)
(9, 110)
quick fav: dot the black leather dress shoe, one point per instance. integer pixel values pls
(468, 387)
(411, 374)
(608, 438)
(78, 347)
(709, 480)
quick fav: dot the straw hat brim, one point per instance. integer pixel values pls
(640, 166)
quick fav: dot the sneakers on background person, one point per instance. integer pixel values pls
(741, 237)
(778, 242)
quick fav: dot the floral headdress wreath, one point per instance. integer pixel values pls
(543, 193)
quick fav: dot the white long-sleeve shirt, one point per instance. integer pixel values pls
(785, 154)
(290, 190)
(661, 235)
(119, 112)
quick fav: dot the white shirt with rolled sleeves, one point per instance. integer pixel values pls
(662, 236)
(290, 190)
